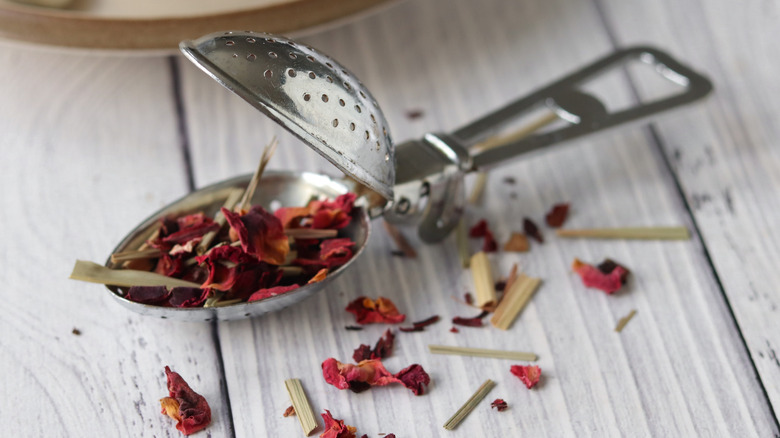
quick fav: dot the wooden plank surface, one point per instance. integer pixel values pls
(725, 153)
(678, 369)
(89, 148)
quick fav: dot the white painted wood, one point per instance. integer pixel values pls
(89, 148)
(679, 368)
(725, 153)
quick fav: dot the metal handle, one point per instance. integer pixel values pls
(585, 112)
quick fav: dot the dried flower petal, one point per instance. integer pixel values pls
(609, 276)
(188, 296)
(454, 330)
(470, 322)
(182, 230)
(415, 378)
(557, 215)
(368, 311)
(336, 252)
(489, 244)
(190, 410)
(236, 272)
(334, 214)
(499, 404)
(479, 229)
(368, 373)
(363, 352)
(531, 230)
(290, 411)
(319, 276)
(148, 294)
(468, 298)
(382, 349)
(420, 325)
(529, 374)
(517, 243)
(261, 234)
(336, 428)
(353, 327)
(271, 292)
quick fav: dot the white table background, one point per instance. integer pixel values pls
(91, 145)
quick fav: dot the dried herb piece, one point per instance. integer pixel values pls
(290, 411)
(532, 230)
(301, 406)
(624, 320)
(319, 276)
(369, 311)
(469, 406)
(481, 352)
(608, 277)
(336, 428)
(514, 301)
(94, 273)
(529, 374)
(499, 404)
(640, 233)
(76, 331)
(475, 321)
(190, 410)
(517, 243)
(483, 280)
(368, 373)
(557, 215)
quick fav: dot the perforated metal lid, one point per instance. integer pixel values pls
(309, 94)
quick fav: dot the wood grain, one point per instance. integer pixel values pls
(89, 149)
(679, 369)
(724, 153)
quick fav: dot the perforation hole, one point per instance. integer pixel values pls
(378, 145)
(335, 123)
(310, 58)
(293, 55)
(306, 97)
(329, 79)
(351, 126)
(387, 157)
(367, 135)
(358, 109)
(342, 103)
(362, 94)
(251, 57)
(324, 97)
(347, 86)
(329, 64)
(268, 74)
(312, 75)
(373, 119)
(273, 55)
(251, 40)
(291, 73)
(230, 43)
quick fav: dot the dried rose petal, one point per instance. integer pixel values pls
(454, 330)
(290, 411)
(334, 214)
(532, 230)
(239, 274)
(368, 373)
(499, 404)
(182, 230)
(368, 311)
(290, 216)
(363, 352)
(170, 266)
(319, 276)
(479, 229)
(517, 243)
(415, 378)
(190, 410)
(356, 378)
(470, 322)
(261, 234)
(557, 215)
(148, 294)
(336, 252)
(489, 244)
(468, 298)
(188, 296)
(271, 292)
(382, 349)
(420, 325)
(609, 276)
(336, 428)
(529, 374)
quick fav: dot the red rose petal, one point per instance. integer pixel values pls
(529, 374)
(148, 294)
(557, 215)
(368, 311)
(271, 292)
(499, 404)
(595, 277)
(188, 297)
(531, 230)
(415, 378)
(261, 234)
(336, 428)
(479, 229)
(470, 322)
(194, 412)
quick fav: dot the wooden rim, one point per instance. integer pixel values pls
(73, 29)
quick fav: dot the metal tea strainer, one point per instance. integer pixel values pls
(419, 182)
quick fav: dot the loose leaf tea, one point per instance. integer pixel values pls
(368, 373)
(608, 276)
(336, 428)
(531, 230)
(499, 404)
(529, 374)
(557, 215)
(190, 410)
(381, 310)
